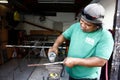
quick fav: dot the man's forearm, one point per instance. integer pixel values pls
(59, 41)
(90, 62)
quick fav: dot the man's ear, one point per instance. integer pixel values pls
(98, 27)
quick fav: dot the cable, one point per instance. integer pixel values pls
(106, 71)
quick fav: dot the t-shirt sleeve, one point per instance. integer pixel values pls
(68, 32)
(105, 46)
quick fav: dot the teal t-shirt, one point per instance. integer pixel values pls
(85, 45)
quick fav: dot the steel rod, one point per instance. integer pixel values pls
(24, 46)
(44, 64)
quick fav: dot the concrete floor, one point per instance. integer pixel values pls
(17, 69)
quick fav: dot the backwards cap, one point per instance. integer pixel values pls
(93, 13)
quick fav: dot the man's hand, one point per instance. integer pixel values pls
(55, 50)
(69, 61)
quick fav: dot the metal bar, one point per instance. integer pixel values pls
(24, 46)
(41, 41)
(44, 64)
(38, 41)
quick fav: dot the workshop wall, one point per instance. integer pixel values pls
(66, 19)
(109, 6)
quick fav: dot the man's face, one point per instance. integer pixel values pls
(87, 26)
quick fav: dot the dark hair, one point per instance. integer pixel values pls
(99, 25)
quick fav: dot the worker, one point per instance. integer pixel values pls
(90, 47)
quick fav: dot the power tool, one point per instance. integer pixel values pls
(52, 56)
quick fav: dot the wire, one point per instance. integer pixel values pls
(106, 71)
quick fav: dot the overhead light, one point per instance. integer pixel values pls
(3, 1)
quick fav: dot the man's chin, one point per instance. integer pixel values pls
(85, 30)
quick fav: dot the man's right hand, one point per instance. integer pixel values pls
(52, 49)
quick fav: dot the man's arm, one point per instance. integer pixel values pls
(60, 39)
(88, 62)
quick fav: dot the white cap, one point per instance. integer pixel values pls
(93, 13)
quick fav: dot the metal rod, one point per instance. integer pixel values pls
(24, 46)
(40, 42)
(44, 64)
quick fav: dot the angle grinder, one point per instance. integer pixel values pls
(52, 56)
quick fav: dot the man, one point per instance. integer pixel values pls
(90, 44)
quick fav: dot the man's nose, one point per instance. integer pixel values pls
(83, 25)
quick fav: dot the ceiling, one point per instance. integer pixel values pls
(47, 7)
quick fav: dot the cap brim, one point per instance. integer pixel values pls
(91, 21)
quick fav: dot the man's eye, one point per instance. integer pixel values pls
(89, 25)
